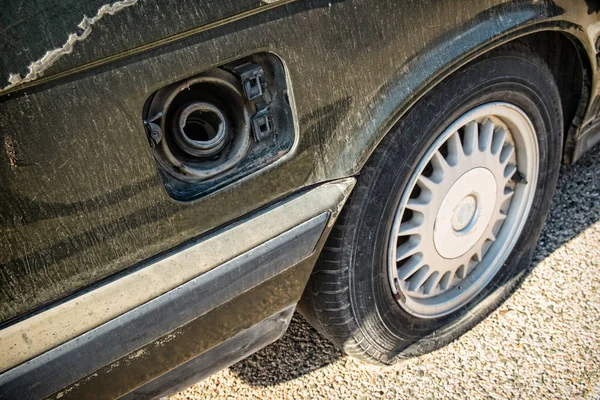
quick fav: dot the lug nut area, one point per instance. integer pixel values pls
(464, 214)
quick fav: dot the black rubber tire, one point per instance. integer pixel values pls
(348, 298)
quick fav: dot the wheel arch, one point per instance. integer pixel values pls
(572, 72)
(552, 41)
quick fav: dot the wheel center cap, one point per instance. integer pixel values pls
(465, 213)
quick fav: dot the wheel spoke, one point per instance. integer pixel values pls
(410, 267)
(439, 162)
(485, 137)
(471, 132)
(418, 278)
(411, 227)
(470, 265)
(508, 193)
(506, 152)
(426, 183)
(455, 149)
(446, 279)
(407, 249)
(431, 283)
(509, 171)
(417, 205)
(498, 140)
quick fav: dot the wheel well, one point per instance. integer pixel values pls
(571, 71)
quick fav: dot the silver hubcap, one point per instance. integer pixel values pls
(463, 210)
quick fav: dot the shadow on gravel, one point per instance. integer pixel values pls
(575, 207)
(301, 350)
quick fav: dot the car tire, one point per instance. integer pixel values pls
(352, 297)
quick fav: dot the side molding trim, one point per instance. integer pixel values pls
(126, 335)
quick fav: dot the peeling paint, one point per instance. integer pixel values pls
(37, 68)
(10, 151)
(166, 339)
(112, 366)
(345, 187)
(137, 354)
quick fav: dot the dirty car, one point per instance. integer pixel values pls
(178, 177)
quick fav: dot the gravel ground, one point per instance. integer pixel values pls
(542, 343)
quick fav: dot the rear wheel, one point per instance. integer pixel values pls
(444, 219)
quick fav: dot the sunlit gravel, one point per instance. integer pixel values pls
(542, 343)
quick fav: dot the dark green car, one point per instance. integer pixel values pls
(177, 177)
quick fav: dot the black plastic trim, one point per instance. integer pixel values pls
(227, 353)
(589, 138)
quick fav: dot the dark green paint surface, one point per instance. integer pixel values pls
(80, 194)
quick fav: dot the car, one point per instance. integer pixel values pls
(177, 178)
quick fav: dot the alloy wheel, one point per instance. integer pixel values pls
(463, 210)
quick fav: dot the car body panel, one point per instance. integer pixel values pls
(81, 196)
(73, 317)
(48, 31)
(151, 338)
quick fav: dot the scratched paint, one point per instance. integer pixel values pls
(81, 197)
(29, 33)
(37, 68)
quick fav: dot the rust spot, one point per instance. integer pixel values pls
(10, 151)
(26, 338)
